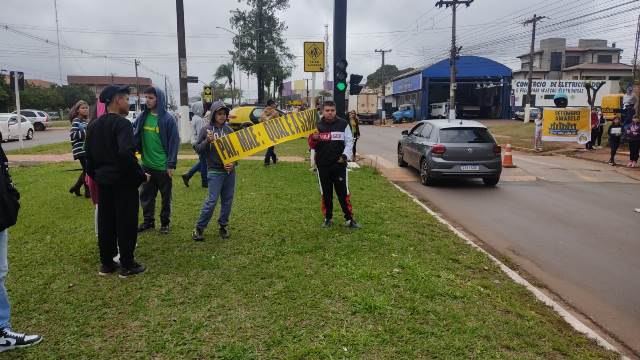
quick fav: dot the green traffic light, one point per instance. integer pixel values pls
(341, 86)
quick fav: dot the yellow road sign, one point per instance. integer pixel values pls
(314, 57)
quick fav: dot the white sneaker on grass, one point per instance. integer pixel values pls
(10, 340)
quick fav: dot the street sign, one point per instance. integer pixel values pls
(207, 94)
(192, 79)
(314, 56)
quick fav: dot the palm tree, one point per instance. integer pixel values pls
(225, 71)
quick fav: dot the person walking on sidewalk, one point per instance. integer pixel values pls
(601, 123)
(615, 137)
(9, 204)
(354, 124)
(79, 115)
(197, 124)
(158, 142)
(112, 163)
(269, 113)
(333, 145)
(537, 138)
(633, 136)
(222, 178)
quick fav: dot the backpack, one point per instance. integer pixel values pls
(9, 196)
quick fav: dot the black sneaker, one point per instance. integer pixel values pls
(135, 269)
(185, 180)
(327, 223)
(352, 224)
(198, 234)
(108, 269)
(145, 227)
(10, 340)
(164, 229)
(224, 233)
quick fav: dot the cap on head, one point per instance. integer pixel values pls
(108, 93)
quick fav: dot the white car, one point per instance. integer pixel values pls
(10, 129)
(39, 119)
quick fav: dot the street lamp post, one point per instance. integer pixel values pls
(233, 65)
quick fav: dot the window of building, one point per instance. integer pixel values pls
(616, 78)
(605, 59)
(556, 61)
(571, 60)
(594, 78)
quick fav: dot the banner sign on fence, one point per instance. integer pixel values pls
(567, 124)
(254, 139)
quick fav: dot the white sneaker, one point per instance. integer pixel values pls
(10, 340)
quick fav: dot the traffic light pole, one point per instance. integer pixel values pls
(16, 88)
(339, 51)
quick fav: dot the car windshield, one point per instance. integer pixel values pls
(465, 136)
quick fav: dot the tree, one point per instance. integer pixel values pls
(225, 71)
(260, 36)
(383, 74)
(592, 91)
(5, 95)
(74, 93)
(221, 92)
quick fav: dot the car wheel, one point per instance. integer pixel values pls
(491, 181)
(425, 176)
(29, 134)
(39, 127)
(401, 161)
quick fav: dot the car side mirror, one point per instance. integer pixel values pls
(405, 132)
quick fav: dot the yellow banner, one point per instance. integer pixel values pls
(253, 139)
(567, 124)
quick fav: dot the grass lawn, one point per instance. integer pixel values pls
(297, 147)
(60, 124)
(404, 287)
(48, 149)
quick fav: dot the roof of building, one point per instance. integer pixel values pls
(527, 54)
(107, 80)
(577, 49)
(468, 67)
(587, 66)
(535, 70)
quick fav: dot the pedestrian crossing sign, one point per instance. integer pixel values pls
(314, 56)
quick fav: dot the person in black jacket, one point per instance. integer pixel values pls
(78, 115)
(111, 162)
(333, 145)
(9, 206)
(615, 136)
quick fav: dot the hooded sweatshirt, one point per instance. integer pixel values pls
(197, 122)
(633, 131)
(204, 147)
(167, 127)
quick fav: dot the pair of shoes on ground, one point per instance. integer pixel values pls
(198, 234)
(612, 163)
(125, 272)
(164, 229)
(632, 164)
(10, 340)
(352, 224)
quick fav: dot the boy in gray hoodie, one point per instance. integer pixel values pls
(221, 177)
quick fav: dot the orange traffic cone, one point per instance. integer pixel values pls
(507, 160)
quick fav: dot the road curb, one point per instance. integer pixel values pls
(574, 322)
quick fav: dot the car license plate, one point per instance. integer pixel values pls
(470, 167)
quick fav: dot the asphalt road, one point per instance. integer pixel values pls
(49, 136)
(568, 223)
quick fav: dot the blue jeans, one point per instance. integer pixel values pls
(222, 186)
(200, 166)
(5, 310)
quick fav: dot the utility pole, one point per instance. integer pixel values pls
(534, 21)
(339, 49)
(259, 47)
(16, 88)
(454, 52)
(326, 55)
(384, 85)
(55, 7)
(307, 81)
(182, 66)
(636, 80)
(136, 63)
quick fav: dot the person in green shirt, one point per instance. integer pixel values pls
(158, 141)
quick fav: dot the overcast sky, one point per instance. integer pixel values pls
(417, 32)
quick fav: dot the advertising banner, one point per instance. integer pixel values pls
(567, 124)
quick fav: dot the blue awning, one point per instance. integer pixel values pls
(468, 67)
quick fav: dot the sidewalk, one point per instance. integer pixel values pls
(602, 156)
(39, 159)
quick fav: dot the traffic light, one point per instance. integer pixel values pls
(12, 82)
(354, 84)
(341, 75)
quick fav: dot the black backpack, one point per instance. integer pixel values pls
(9, 196)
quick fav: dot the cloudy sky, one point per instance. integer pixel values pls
(417, 32)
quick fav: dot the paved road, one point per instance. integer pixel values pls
(567, 222)
(49, 136)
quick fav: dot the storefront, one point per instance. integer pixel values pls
(408, 90)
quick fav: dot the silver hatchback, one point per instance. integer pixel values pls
(442, 149)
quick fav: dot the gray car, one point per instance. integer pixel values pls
(442, 149)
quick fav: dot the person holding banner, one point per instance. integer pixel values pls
(537, 139)
(633, 136)
(221, 177)
(333, 145)
(615, 135)
(268, 114)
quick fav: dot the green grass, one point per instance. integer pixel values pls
(297, 147)
(403, 287)
(521, 135)
(48, 149)
(60, 124)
